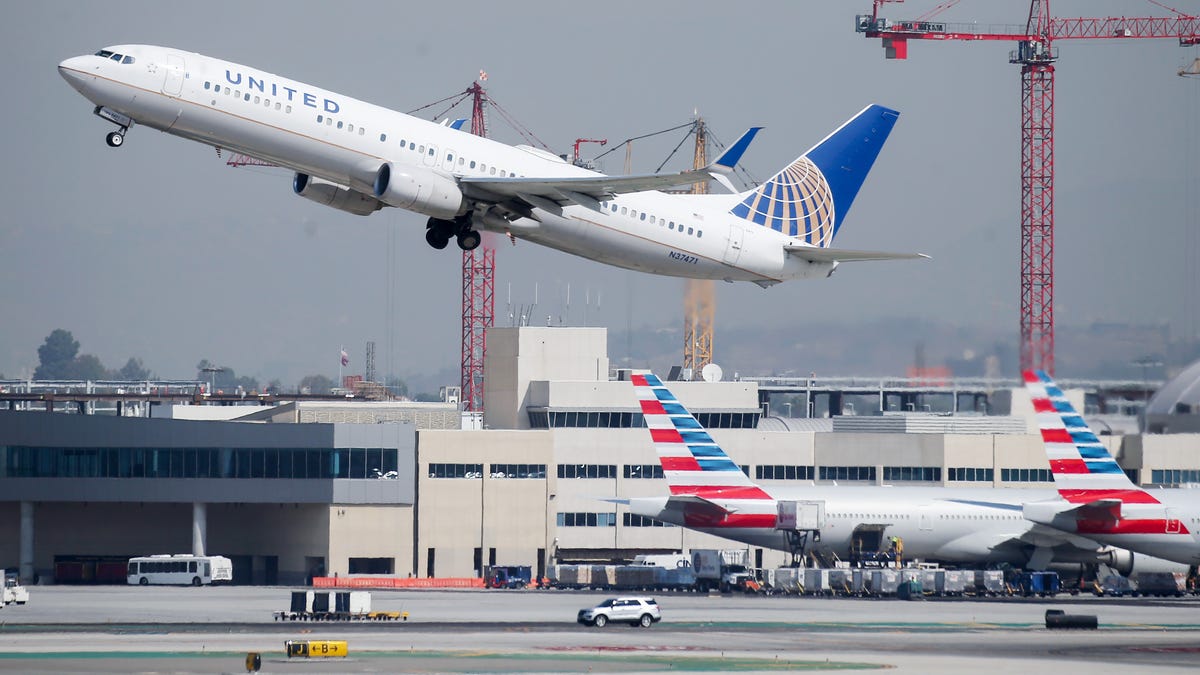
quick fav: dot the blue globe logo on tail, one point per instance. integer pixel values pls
(797, 202)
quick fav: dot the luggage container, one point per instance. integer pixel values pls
(884, 582)
(816, 581)
(951, 582)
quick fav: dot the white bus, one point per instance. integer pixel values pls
(180, 569)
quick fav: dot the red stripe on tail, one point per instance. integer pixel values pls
(653, 408)
(1043, 405)
(665, 436)
(1083, 496)
(679, 464)
(1068, 466)
(1056, 436)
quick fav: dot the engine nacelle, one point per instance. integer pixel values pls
(420, 190)
(1126, 563)
(329, 194)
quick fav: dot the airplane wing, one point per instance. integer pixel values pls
(693, 505)
(825, 255)
(552, 193)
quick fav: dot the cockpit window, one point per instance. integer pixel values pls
(119, 58)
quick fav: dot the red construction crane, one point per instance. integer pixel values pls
(580, 141)
(478, 288)
(1036, 55)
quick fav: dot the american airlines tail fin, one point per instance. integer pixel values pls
(809, 199)
(696, 468)
(1084, 471)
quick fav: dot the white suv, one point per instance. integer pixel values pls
(636, 611)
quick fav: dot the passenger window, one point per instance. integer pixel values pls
(643, 216)
(472, 164)
(339, 124)
(328, 121)
(421, 150)
(277, 105)
(502, 173)
(689, 230)
(450, 158)
(493, 171)
(350, 127)
(614, 208)
(382, 138)
(652, 221)
(288, 109)
(267, 102)
(431, 151)
(207, 84)
(672, 225)
(624, 210)
(247, 98)
(320, 119)
(257, 100)
(699, 233)
(633, 213)
(226, 91)
(361, 131)
(237, 93)
(460, 161)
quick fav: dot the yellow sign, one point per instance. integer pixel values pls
(316, 648)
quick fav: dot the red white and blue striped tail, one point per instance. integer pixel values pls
(1083, 469)
(692, 462)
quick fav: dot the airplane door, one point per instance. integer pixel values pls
(925, 522)
(1172, 521)
(173, 82)
(448, 162)
(733, 250)
(431, 156)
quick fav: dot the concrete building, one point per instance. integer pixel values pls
(398, 489)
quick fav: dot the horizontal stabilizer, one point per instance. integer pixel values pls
(694, 505)
(826, 255)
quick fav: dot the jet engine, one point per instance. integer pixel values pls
(1127, 562)
(329, 194)
(420, 190)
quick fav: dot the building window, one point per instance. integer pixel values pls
(643, 471)
(585, 519)
(971, 474)
(517, 471)
(912, 473)
(635, 520)
(372, 566)
(863, 473)
(1026, 476)
(783, 472)
(456, 471)
(587, 470)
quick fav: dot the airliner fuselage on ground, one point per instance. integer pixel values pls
(1096, 498)
(709, 492)
(359, 157)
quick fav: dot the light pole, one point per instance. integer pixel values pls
(212, 374)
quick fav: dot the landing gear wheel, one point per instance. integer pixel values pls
(436, 239)
(469, 240)
(114, 139)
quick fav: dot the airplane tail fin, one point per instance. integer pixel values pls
(692, 462)
(1084, 471)
(810, 198)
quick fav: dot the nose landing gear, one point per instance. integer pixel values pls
(115, 139)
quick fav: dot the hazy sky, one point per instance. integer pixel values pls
(159, 250)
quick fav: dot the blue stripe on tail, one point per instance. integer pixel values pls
(849, 153)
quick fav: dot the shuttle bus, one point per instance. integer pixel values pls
(180, 569)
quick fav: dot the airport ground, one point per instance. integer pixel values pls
(203, 630)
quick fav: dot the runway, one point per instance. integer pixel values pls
(204, 630)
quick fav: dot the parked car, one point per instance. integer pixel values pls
(635, 611)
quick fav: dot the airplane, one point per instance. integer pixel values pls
(711, 494)
(1096, 497)
(359, 158)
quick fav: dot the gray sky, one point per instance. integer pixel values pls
(159, 250)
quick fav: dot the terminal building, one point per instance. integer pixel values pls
(307, 489)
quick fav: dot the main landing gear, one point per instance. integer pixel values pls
(438, 233)
(115, 138)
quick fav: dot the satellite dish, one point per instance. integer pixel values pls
(712, 373)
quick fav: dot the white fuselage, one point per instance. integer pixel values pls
(957, 525)
(1169, 529)
(345, 141)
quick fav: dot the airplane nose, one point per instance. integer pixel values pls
(74, 71)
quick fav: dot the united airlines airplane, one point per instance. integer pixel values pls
(358, 158)
(1097, 499)
(709, 493)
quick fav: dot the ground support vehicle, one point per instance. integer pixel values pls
(334, 606)
(508, 576)
(12, 592)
